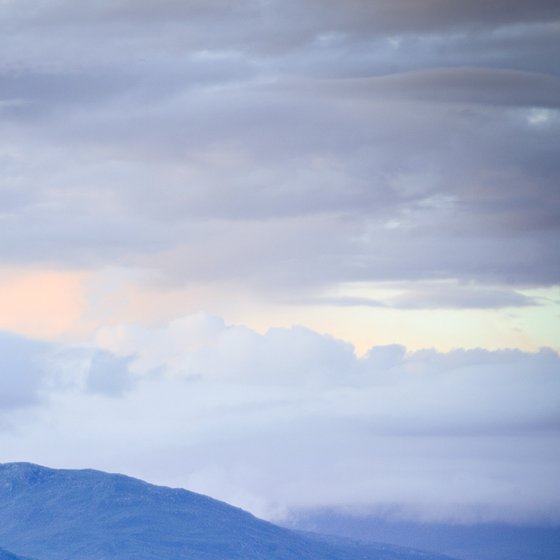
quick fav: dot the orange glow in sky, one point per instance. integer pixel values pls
(41, 303)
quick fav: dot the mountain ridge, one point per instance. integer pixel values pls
(63, 514)
(6, 555)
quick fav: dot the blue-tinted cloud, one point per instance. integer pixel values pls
(31, 371)
(21, 370)
(284, 146)
(108, 374)
(294, 419)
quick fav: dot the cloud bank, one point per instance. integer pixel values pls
(287, 147)
(293, 419)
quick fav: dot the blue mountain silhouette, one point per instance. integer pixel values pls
(53, 514)
(5, 555)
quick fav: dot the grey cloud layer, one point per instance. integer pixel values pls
(289, 146)
(379, 16)
(293, 419)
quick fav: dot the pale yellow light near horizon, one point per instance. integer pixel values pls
(72, 305)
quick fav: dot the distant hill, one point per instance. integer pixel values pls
(90, 515)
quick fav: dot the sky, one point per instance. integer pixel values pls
(290, 254)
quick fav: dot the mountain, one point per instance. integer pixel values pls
(5, 555)
(90, 515)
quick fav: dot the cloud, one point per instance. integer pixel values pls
(426, 295)
(490, 86)
(108, 374)
(460, 297)
(21, 374)
(203, 346)
(31, 371)
(292, 148)
(308, 18)
(293, 419)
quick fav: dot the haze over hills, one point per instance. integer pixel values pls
(476, 541)
(59, 514)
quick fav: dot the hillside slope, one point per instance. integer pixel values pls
(5, 555)
(64, 514)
